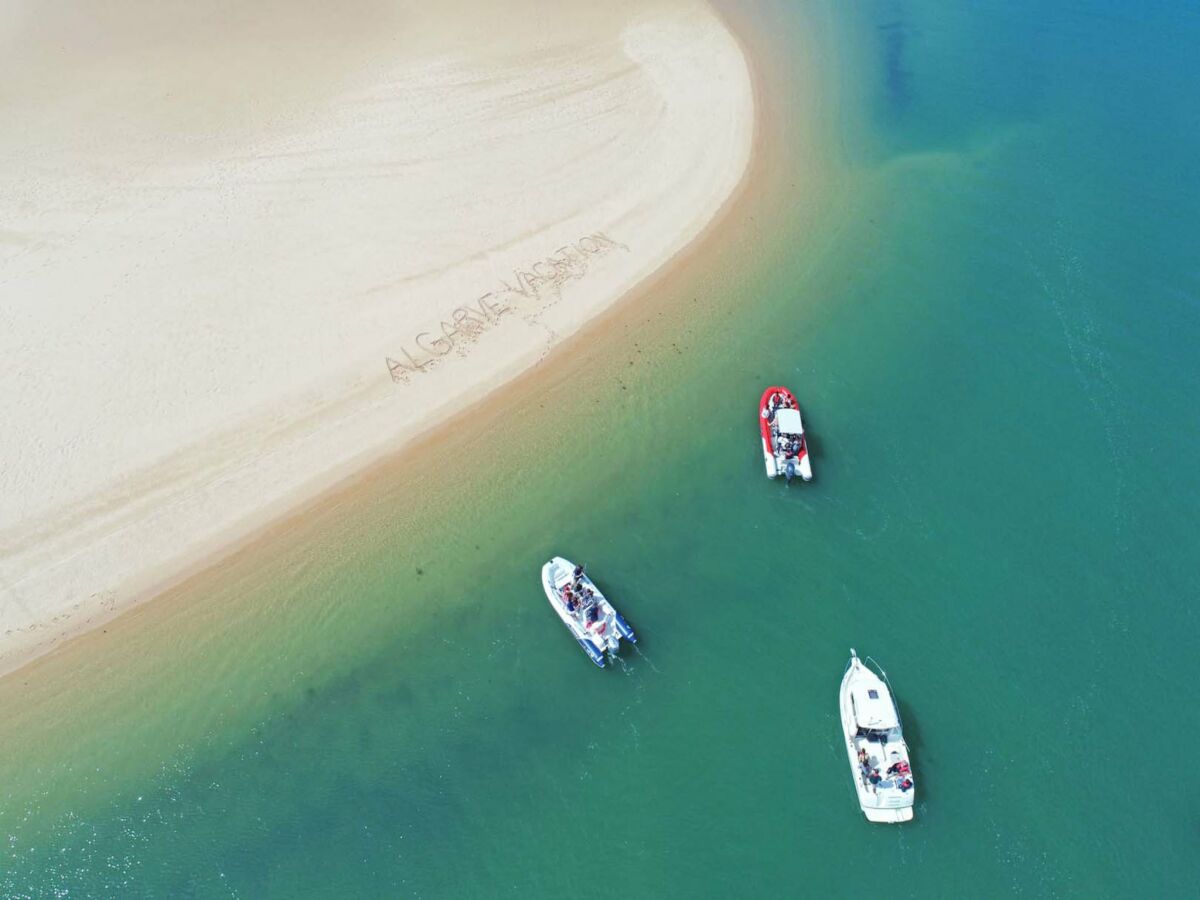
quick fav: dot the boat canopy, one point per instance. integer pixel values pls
(788, 421)
(873, 708)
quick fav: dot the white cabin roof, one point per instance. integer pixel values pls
(873, 706)
(788, 421)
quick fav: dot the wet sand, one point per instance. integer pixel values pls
(228, 301)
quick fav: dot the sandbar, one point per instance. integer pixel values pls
(246, 249)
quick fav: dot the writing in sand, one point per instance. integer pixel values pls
(464, 324)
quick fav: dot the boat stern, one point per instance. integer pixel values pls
(595, 654)
(805, 467)
(769, 459)
(624, 628)
(893, 816)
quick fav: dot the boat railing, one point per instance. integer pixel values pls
(882, 674)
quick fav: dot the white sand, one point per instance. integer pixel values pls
(218, 219)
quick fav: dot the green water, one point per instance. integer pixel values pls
(974, 257)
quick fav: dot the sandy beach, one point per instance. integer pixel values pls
(245, 253)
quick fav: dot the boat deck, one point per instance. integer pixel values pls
(886, 793)
(599, 626)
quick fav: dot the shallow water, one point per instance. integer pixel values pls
(974, 259)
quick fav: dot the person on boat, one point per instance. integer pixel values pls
(899, 768)
(874, 777)
(905, 785)
(863, 759)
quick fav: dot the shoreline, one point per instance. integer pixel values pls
(248, 634)
(558, 271)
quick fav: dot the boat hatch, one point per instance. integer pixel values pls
(788, 421)
(873, 708)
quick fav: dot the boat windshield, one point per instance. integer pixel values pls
(875, 734)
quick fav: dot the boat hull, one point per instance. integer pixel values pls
(882, 803)
(600, 638)
(778, 464)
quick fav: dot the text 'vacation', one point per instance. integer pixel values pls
(465, 324)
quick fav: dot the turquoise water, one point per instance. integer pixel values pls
(975, 260)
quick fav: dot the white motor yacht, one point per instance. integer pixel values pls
(879, 761)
